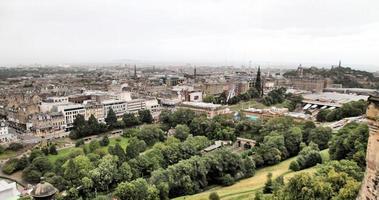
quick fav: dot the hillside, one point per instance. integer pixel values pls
(349, 78)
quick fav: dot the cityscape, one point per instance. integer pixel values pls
(184, 107)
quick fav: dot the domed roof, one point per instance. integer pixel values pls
(43, 189)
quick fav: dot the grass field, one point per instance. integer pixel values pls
(246, 188)
(7, 154)
(67, 151)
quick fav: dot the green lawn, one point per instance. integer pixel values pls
(66, 152)
(7, 154)
(246, 188)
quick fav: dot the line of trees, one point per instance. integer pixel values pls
(83, 128)
(351, 109)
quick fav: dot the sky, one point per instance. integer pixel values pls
(190, 31)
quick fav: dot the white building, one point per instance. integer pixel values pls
(8, 191)
(135, 105)
(70, 111)
(118, 106)
(5, 136)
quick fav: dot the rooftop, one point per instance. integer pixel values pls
(202, 105)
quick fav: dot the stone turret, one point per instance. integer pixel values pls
(44, 191)
(370, 184)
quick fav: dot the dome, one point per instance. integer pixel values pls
(43, 189)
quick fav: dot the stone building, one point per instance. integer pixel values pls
(5, 136)
(370, 185)
(309, 84)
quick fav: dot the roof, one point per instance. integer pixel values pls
(202, 105)
(43, 189)
(373, 98)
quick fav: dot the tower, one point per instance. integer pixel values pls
(135, 71)
(339, 63)
(194, 73)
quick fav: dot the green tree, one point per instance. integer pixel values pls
(93, 145)
(151, 134)
(134, 147)
(350, 142)
(182, 116)
(93, 125)
(145, 116)
(292, 140)
(104, 141)
(111, 118)
(294, 166)
(138, 189)
(130, 120)
(125, 173)
(258, 82)
(268, 188)
(72, 172)
(34, 154)
(214, 196)
(320, 136)
(43, 164)
(181, 132)
(10, 166)
(209, 99)
(105, 173)
(119, 152)
(31, 174)
(53, 150)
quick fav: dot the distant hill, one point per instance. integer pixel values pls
(349, 78)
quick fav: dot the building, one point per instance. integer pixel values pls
(330, 99)
(70, 111)
(209, 109)
(5, 136)
(254, 113)
(118, 106)
(44, 191)
(152, 105)
(213, 88)
(8, 190)
(44, 124)
(135, 105)
(95, 109)
(309, 84)
(57, 99)
(370, 184)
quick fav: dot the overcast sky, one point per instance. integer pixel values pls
(190, 31)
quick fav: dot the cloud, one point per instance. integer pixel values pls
(198, 30)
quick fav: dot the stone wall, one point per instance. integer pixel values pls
(370, 184)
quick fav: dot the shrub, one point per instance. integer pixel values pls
(79, 142)
(2, 149)
(227, 180)
(10, 166)
(53, 150)
(15, 146)
(294, 166)
(105, 141)
(214, 196)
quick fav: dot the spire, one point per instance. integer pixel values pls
(194, 72)
(135, 71)
(339, 64)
